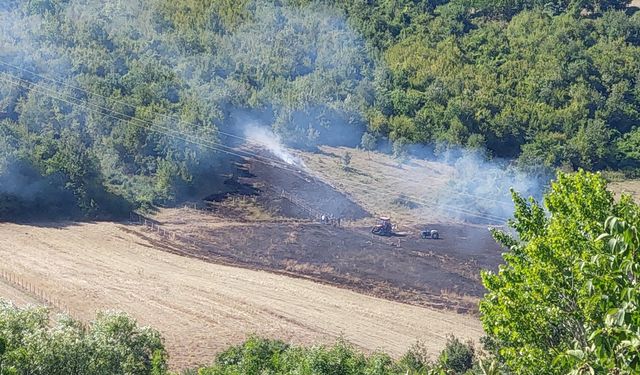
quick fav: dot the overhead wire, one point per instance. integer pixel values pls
(180, 121)
(222, 148)
(148, 124)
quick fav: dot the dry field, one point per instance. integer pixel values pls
(442, 273)
(202, 307)
(375, 181)
(631, 187)
(16, 295)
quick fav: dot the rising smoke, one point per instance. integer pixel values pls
(316, 79)
(265, 137)
(479, 189)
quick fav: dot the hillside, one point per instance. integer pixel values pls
(106, 107)
(200, 307)
(631, 187)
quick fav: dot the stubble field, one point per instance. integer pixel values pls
(200, 307)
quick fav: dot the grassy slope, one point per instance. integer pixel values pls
(376, 180)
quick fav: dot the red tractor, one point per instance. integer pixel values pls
(383, 228)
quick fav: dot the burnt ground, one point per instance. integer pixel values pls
(288, 191)
(442, 273)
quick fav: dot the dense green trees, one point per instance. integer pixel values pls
(550, 83)
(126, 99)
(544, 88)
(566, 298)
(112, 344)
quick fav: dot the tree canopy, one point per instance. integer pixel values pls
(109, 105)
(566, 298)
(112, 344)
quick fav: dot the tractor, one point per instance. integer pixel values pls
(433, 234)
(383, 228)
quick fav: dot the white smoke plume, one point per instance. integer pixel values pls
(266, 138)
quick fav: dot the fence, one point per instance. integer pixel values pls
(154, 226)
(32, 290)
(315, 214)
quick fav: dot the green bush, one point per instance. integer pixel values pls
(262, 356)
(33, 343)
(457, 357)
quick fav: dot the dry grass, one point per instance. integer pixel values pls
(631, 187)
(378, 182)
(248, 208)
(202, 308)
(16, 295)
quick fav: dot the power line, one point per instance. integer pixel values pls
(457, 192)
(112, 99)
(148, 124)
(225, 149)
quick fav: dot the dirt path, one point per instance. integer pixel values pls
(201, 307)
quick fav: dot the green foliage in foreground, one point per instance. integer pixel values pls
(113, 344)
(31, 343)
(260, 356)
(566, 299)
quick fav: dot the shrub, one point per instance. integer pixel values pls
(112, 344)
(457, 356)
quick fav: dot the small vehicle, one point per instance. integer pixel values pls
(383, 228)
(433, 234)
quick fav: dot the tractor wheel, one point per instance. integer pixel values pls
(435, 235)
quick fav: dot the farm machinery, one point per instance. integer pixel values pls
(433, 234)
(383, 228)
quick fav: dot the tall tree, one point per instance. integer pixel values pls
(566, 298)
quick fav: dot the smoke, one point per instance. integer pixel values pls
(299, 70)
(266, 138)
(479, 189)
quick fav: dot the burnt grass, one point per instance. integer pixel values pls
(443, 273)
(440, 273)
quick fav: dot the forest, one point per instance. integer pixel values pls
(106, 106)
(565, 301)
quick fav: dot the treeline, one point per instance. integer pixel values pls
(108, 105)
(565, 301)
(105, 104)
(115, 344)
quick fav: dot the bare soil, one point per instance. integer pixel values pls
(631, 187)
(441, 273)
(201, 307)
